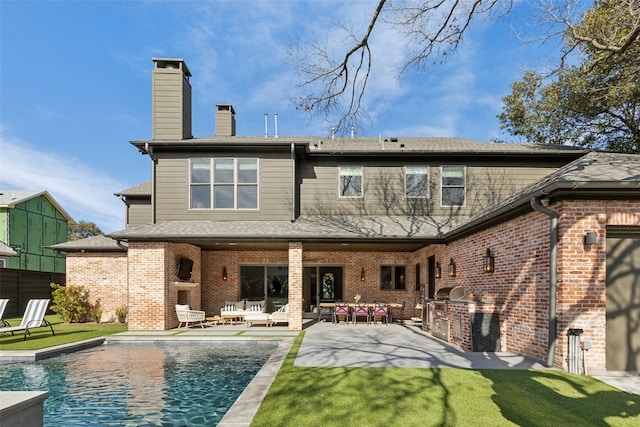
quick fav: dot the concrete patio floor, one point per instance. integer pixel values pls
(395, 346)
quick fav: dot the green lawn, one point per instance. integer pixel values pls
(303, 396)
(65, 333)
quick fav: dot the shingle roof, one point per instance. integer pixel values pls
(434, 145)
(372, 145)
(10, 198)
(6, 250)
(98, 243)
(306, 227)
(142, 189)
(13, 197)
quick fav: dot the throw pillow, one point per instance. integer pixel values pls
(256, 307)
(230, 307)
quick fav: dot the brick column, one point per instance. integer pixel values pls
(147, 287)
(295, 286)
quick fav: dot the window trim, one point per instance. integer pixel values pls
(199, 184)
(342, 196)
(235, 184)
(426, 174)
(463, 186)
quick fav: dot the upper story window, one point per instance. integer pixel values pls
(453, 185)
(224, 183)
(416, 181)
(351, 181)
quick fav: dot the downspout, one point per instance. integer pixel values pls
(293, 182)
(149, 151)
(126, 211)
(121, 246)
(553, 275)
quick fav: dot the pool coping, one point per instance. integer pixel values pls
(9, 356)
(241, 413)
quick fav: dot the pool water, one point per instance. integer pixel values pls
(166, 384)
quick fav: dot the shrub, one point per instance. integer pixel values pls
(71, 303)
(121, 314)
(96, 312)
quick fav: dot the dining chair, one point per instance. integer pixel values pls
(340, 310)
(380, 311)
(401, 315)
(361, 310)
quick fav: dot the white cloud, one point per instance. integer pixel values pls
(83, 192)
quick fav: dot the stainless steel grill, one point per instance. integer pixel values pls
(458, 293)
(439, 308)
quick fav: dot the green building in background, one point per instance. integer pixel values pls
(30, 222)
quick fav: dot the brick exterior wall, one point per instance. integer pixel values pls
(518, 289)
(154, 284)
(104, 275)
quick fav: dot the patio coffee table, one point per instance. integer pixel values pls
(214, 319)
(232, 318)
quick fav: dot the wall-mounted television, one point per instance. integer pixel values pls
(184, 268)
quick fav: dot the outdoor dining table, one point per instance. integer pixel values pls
(353, 304)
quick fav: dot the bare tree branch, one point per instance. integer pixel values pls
(336, 79)
(333, 88)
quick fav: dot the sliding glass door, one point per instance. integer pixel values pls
(265, 282)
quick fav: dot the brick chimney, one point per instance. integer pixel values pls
(225, 120)
(171, 99)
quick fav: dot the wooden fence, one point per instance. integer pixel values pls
(19, 286)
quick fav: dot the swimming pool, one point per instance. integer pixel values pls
(159, 384)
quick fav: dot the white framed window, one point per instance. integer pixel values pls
(416, 181)
(350, 181)
(453, 185)
(200, 184)
(224, 183)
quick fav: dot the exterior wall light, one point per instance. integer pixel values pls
(489, 262)
(362, 275)
(452, 268)
(438, 270)
(225, 276)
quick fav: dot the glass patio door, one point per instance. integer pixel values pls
(322, 284)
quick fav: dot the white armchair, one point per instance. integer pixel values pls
(186, 316)
(282, 315)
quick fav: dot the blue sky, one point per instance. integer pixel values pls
(75, 80)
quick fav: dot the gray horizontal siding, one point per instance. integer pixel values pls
(139, 214)
(171, 106)
(172, 193)
(384, 189)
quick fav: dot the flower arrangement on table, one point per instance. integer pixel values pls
(357, 298)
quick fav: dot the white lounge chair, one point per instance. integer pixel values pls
(186, 316)
(3, 305)
(33, 318)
